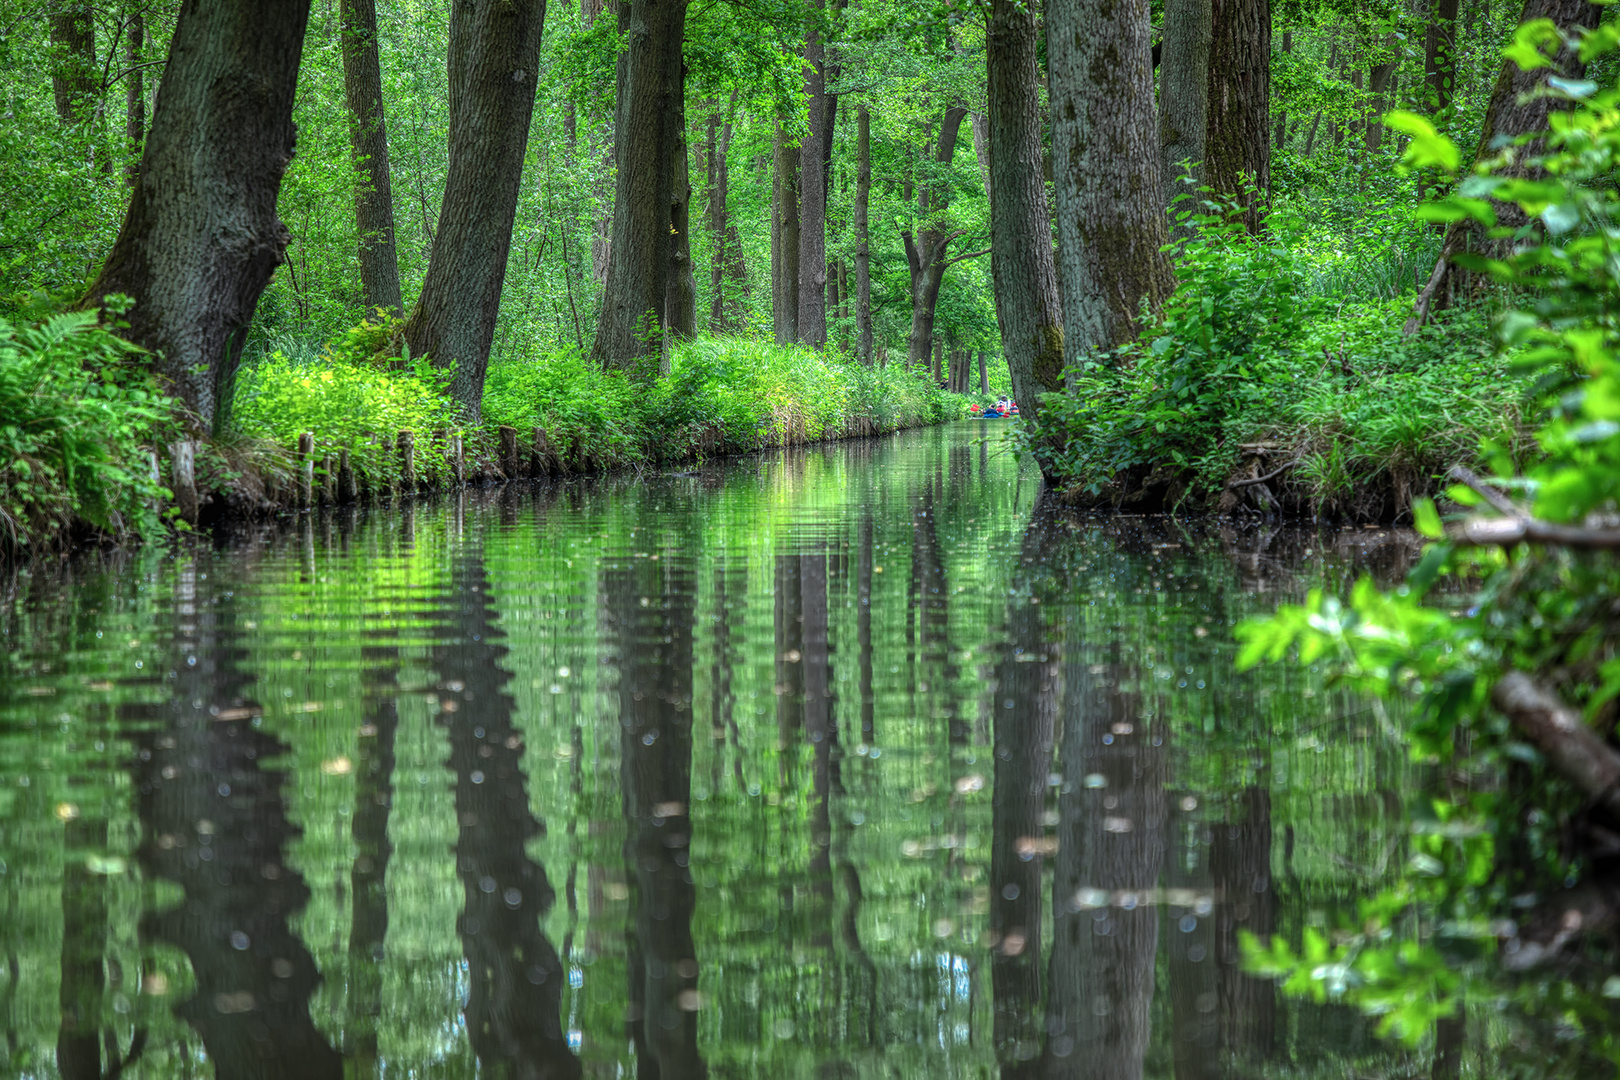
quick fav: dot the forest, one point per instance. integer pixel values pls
(1309, 312)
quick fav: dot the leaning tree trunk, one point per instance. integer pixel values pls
(1440, 55)
(812, 268)
(784, 240)
(494, 68)
(1514, 110)
(1379, 81)
(863, 234)
(368, 141)
(1237, 141)
(1028, 308)
(201, 237)
(1111, 222)
(73, 61)
(1183, 96)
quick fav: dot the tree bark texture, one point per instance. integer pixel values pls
(1512, 112)
(1184, 94)
(201, 237)
(1022, 265)
(1111, 221)
(680, 291)
(73, 60)
(785, 240)
(863, 234)
(134, 94)
(728, 276)
(926, 247)
(1237, 140)
(368, 140)
(813, 153)
(649, 118)
(1379, 82)
(1440, 55)
(494, 69)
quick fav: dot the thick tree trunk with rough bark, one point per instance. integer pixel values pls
(1440, 55)
(1111, 221)
(1379, 81)
(1513, 111)
(1184, 95)
(73, 61)
(368, 140)
(785, 240)
(863, 234)
(813, 154)
(1237, 140)
(201, 237)
(1022, 265)
(647, 130)
(494, 68)
(728, 277)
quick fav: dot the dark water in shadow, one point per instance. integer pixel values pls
(852, 761)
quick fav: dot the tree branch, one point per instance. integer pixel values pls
(968, 255)
(1577, 752)
(1484, 491)
(1272, 475)
(1519, 527)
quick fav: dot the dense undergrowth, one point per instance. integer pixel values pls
(82, 428)
(1276, 358)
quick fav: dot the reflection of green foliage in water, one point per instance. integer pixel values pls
(875, 955)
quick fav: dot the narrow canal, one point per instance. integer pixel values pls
(855, 761)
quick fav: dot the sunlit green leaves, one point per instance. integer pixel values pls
(1426, 147)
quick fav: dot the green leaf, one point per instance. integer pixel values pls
(1427, 147)
(1426, 519)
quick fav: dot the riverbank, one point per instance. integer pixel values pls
(96, 451)
(1262, 388)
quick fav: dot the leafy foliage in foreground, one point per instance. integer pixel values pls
(1249, 350)
(76, 422)
(1470, 615)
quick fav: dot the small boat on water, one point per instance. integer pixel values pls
(995, 412)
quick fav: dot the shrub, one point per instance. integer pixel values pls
(346, 399)
(76, 424)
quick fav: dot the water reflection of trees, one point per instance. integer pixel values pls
(214, 822)
(516, 979)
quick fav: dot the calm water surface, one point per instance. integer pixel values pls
(852, 761)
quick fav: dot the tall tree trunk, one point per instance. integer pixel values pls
(1022, 265)
(201, 237)
(984, 376)
(1282, 114)
(680, 295)
(1514, 110)
(368, 140)
(494, 69)
(648, 127)
(926, 249)
(73, 60)
(1111, 221)
(134, 95)
(1440, 55)
(813, 151)
(1379, 86)
(719, 183)
(1237, 140)
(785, 240)
(1184, 95)
(863, 236)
